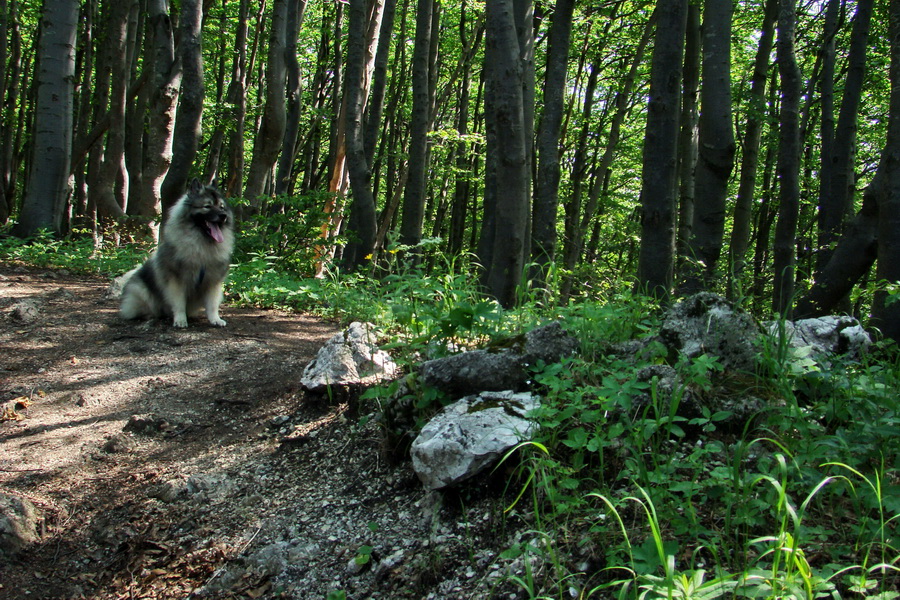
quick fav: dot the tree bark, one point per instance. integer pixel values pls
(236, 97)
(546, 192)
(462, 186)
(413, 215)
(836, 203)
(48, 183)
(886, 308)
(740, 232)
(271, 129)
(687, 137)
(363, 226)
(504, 74)
(163, 98)
(375, 105)
(853, 257)
(716, 149)
(6, 16)
(658, 191)
(788, 161)
(284, 176)
(187, 131)
(110, 189)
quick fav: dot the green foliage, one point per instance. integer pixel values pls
(79, 252)
(287, 231)
(801, 501)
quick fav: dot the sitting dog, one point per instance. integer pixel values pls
(188, 268)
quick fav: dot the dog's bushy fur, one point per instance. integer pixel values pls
(188, 268)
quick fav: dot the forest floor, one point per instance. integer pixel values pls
(172, 463)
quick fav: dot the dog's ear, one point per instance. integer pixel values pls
(196, 186)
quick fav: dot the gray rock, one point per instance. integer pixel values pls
(469, 435)
(501, 366)
(708, 324)
(549, 343)
(823, 336)
(26, 311)
(18, 525)
(475, 371)
(118, 444)
(350, 357)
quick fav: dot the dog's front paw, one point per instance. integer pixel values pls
(217, 321)
(180, 321)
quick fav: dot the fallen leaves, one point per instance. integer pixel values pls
(9, 411)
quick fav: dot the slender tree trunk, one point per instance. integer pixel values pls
(571, 250)
(660, 164)
(109, 194)
(337, 159)
(284, 176)
(853, 257)
(136, 110)
(363, 226)
(504, 74)
(687, 137)
(163, 98)
(458, 208)
(236, 97)
(716, 148)
(48, 186)
(5, 18)
(375, 106)
(740, 232)
(187, 132)
(886, 310)
(270, 135)
(546, 193)
(836, 203)
(788, 161)
(413, 216)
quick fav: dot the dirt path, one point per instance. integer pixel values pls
(187, 463)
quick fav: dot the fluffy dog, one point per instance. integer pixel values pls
(188, 268)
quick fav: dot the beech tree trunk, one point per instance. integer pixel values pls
(187, 132)
(853, 257)
(788, 161)
(413, 215)
(660, 163)
(236, 97)
(109, 192)
(546, 192)
(740, 232)
(48, 188)
(163, 99)
(284, 176)
(886, 308)
(271, 129)
(687, 140)
(715, 149)
(836, 205)
(505, 113)
(363, 225)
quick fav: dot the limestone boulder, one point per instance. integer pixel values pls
(348, 358)
(471, 435)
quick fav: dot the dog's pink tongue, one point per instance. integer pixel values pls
(216, 232)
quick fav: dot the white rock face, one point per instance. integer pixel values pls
(18, 525)
(470, 435)
(349, 357)
(824, 335)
